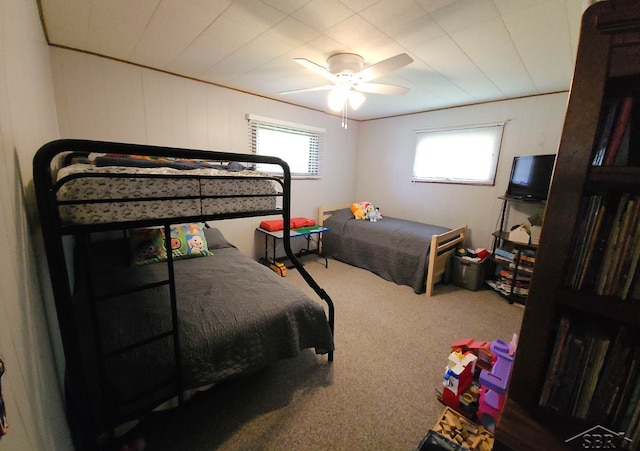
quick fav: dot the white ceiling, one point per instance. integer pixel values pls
(464, 51)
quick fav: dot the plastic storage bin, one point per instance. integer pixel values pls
(468, 273)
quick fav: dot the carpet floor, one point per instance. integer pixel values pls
(380, 393)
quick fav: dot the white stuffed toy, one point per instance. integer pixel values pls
(373, 213)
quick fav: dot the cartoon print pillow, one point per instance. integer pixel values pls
(147, 246)
(187, 241)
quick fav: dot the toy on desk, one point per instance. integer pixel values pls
(494, 383)
(294, 223)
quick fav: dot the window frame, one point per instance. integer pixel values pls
(498, 135)
(314, 151)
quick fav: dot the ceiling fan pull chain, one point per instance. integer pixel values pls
(344, 115)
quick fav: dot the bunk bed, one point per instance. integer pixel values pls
(401, 251)
(151, 302)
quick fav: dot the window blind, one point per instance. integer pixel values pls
(299, 145)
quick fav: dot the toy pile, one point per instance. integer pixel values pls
(477, 377)
(366, 210)
(475, 255)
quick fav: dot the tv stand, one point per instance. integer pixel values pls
(524, 199)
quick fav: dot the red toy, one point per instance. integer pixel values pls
(295, 223)
(481, 349)
(458, 377)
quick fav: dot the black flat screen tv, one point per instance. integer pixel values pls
(530, 177)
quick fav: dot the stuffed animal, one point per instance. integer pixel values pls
(373, 213)
(359, 210)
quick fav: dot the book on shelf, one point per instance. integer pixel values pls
(627, 389)
(610, 386)
(564, 384)
(593, 374)
(611, 244)
(590, 213)
(505, 287)
(597, 345)
(630, 422)
(606, 125)
(605, 250)
(520, 277)
(509, 253)
(613, 143)
(631, 270)
(558, 358)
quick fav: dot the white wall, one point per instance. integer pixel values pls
(101, 99)
(31, 387)
(98, 98)
(385, 161)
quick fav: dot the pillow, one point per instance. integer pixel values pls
(147, 245)
(215, 239)
(187, 241)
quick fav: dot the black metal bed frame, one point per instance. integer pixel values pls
(54, 230)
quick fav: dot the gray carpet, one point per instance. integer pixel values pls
(379, 393)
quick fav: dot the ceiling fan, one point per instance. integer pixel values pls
(350, 78)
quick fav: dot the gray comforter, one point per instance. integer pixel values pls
(395, 249)
(235, 316)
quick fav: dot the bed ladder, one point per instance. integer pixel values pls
(167, 389)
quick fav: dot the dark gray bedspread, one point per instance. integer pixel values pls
(395, 249)
(235, 316)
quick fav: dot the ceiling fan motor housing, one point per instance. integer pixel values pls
(345, 63)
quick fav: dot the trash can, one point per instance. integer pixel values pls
(467, 273)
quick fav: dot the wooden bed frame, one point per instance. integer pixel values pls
(442, 247)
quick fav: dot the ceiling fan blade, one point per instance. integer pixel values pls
(377, 88)
(317, 88)
(318, 69)
(384, 67)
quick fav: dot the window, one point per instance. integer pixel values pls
(299, 145)
(466, 155)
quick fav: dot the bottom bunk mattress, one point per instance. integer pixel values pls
(395, 249)
(234, 315)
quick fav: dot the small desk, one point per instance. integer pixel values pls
(306, 232)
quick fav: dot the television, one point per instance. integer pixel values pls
(530, 177)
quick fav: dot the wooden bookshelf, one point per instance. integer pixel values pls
(607, 69)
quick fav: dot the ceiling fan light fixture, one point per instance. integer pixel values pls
(356, 99)
(337, 98)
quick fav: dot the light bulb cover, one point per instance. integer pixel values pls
(356, 99)
(337, 98)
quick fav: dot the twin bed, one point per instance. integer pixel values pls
(405, 252)
(151, 302)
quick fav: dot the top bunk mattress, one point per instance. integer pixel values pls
(107, 189)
